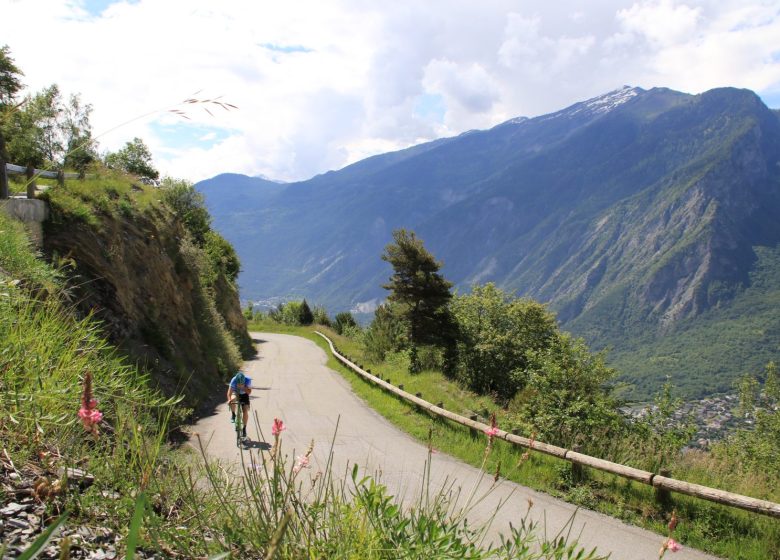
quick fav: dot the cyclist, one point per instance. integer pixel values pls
(241, 387)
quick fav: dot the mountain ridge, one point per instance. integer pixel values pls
(631, 211)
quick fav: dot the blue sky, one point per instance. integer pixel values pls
(182, 135)
(97, 7)
(319, 84)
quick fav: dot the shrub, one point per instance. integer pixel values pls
(496, 332)
(565, 398)
(321, 316)
(221, 255)
(387, 333)
(343, 320)
(188, 204)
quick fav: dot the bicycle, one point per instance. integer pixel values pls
(239, 420)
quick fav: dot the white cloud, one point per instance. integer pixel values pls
(320, 84)
(663, 22)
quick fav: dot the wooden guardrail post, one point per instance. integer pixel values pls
(662, 496)
(30, 174)
(61, 178)
(577, 472)
(3, 179)
(473, 431)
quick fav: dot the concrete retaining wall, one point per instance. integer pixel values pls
(31, 212)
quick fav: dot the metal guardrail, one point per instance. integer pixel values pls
(32, 174)
(658, 481)
(13, 169)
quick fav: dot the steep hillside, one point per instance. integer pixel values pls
(632, 214)
(132, 266)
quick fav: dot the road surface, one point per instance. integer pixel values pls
(292, 383)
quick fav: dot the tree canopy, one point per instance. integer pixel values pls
(135, 157)
(45, 129)
(497, 331)
(420, 292)
(10, 83)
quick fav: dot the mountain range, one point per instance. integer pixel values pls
(646, 219)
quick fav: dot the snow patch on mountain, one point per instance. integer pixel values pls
(598, 105)
(607, 102)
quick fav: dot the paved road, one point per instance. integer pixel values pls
(292, 383)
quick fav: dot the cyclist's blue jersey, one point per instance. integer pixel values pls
(234, 385)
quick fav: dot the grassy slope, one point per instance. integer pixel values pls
(186, 508)
(723, 531)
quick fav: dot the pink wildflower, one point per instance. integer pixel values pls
(301, 463)
(492, 431)
(673, 545)
(89, 415)
(673, 522)
(278, 427)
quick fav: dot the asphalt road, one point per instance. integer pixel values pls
(291, 382)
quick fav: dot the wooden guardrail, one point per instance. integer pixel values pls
(7, 169)
(658, 481)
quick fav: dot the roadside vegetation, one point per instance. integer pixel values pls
(511, 361)
(90, 457)
(87, 450)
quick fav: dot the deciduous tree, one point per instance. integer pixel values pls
(135, 158)
(497, 331)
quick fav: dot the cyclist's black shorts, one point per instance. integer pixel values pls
(243, 398)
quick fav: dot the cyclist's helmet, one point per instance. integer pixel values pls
(240, 379)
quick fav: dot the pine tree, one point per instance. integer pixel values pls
(306, 317)
(421, 293)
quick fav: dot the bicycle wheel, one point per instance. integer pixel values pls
(239, 419)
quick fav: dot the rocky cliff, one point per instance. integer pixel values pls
(139, 274)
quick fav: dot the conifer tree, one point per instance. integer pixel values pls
(306, 317)
(420, 292)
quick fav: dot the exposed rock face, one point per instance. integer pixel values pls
(631, 214)
(139, 277)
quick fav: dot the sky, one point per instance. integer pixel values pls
(321, 84)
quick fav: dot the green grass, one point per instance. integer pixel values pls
(154, 497)
(717, 529)
(18, 260)
(108, 192)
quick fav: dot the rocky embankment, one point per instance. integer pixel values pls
(140, 277)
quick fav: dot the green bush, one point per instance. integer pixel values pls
(344, 320)
(222, 257)
(758, 450)
(321, 316)
(388, 332)
(188, 205)
(565, 398)
(496, 332)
